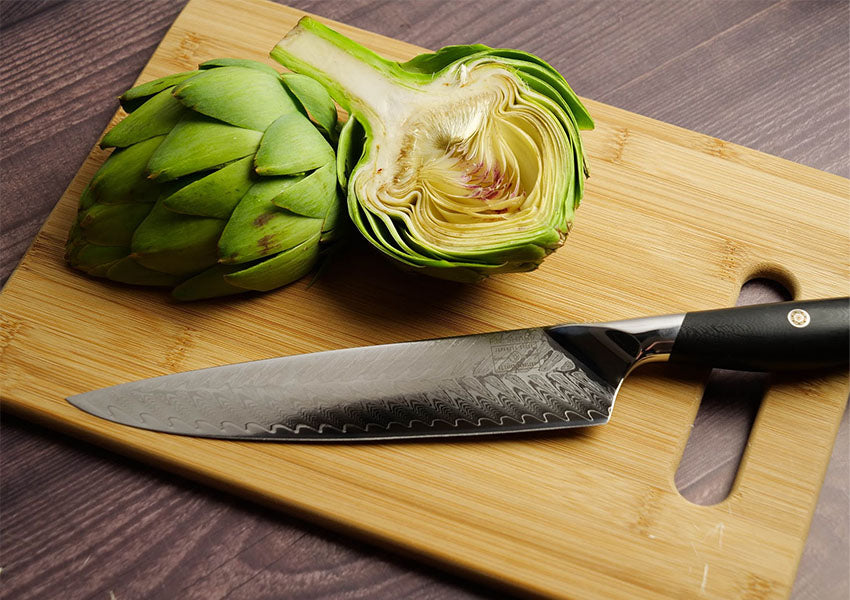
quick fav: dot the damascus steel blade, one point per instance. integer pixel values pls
(523, 380)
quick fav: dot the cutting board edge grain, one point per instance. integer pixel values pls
(620, 146)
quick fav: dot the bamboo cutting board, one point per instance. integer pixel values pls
(672, 221)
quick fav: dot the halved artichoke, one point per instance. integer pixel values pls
(223, 180)
(461, 163)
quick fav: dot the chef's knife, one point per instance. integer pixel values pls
(522, 380)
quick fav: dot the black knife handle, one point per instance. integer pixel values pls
(804, 334)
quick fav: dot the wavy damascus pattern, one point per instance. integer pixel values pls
(516, 380)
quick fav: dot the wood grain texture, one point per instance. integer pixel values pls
(163, 537)
(83, 54)
(704, 26)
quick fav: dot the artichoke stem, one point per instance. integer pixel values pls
(357, 78)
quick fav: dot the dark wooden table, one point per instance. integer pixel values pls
(78, 522)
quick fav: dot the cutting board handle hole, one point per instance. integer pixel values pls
(728, 408)
(769, 282)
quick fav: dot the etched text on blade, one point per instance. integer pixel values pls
(440, 387)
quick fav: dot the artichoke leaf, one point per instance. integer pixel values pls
(199, 143)
(280, 269)
(156, 117)
(519, 252)
(212, 93)
(292, 145)
(568, 121)
(211, 283)
(434, 62)
(332, 224)
(314, 99)
(86, 198)
(112, 224)
(384, 237)
(349, 149)
(175, 243)
(258, 228)
(215, 194)
(135, 97)
(312, 195)
(96, 260)
(526, 60)
(127, 270)
(122, 178)
(245, 63)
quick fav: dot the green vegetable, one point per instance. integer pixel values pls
(461, 163)
(222, 180)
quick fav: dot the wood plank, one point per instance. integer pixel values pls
(83, 91)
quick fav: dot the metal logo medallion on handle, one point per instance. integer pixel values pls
(798, 317)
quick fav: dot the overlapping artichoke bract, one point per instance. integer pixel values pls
(460, 163)
(222, 180)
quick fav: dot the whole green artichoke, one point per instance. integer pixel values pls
(223, 180)
(459, 163)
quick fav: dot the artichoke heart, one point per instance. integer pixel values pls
(460, 163)
(222, 180)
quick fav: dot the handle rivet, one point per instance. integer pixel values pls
(798, 317)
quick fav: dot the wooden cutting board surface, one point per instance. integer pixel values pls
(672, 221)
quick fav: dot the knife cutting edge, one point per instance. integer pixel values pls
(511, 381)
